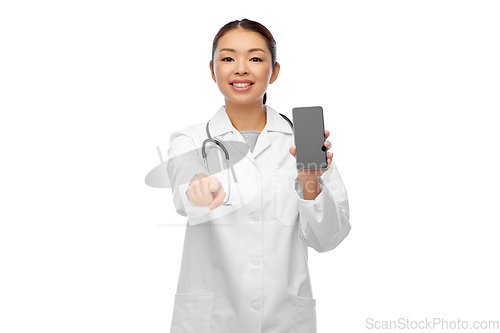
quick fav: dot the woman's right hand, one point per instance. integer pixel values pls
(205, 191)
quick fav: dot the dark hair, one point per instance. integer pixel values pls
(252, 26)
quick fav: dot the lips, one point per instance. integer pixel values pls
(240, 81)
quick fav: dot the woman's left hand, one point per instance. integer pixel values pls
(314, 174)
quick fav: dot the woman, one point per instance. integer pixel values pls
(244, 266)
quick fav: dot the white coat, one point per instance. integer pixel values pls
(245, 267)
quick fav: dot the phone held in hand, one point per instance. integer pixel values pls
(309, 135)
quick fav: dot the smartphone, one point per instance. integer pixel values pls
(309, 134)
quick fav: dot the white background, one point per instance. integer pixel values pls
(88, 90)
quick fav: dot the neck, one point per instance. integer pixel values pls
(247, 117)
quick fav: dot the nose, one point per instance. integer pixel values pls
(241, 69)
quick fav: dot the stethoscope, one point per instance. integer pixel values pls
(220, 145)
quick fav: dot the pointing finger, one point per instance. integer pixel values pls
(214, 184)
(220, 194)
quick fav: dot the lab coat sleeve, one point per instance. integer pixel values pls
(324, 221)
(185, 161)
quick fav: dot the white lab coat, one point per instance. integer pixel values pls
(245, 267)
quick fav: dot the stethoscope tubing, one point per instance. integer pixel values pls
(220, 145)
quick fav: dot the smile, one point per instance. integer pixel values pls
(241, 86)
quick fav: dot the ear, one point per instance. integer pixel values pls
(212, 72)
(276, 71)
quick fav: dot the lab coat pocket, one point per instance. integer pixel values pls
(305, 318)
(286, 203)
(192, 313)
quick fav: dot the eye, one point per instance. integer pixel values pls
(258, 59)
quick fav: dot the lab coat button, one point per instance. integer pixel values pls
(255, 217)
(256, 306)
(255, 261)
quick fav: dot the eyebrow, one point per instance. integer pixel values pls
(251, 50)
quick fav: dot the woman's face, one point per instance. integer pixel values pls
(243, 64)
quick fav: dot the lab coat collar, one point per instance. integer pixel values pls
(221, 124)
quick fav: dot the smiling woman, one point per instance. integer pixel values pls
(251, 275)
(243, 65)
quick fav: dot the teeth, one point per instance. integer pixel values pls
(241, 85)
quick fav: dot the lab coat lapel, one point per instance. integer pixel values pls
(263, 141)
(222, 129)
(274, 123)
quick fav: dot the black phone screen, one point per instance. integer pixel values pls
(309, 135)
